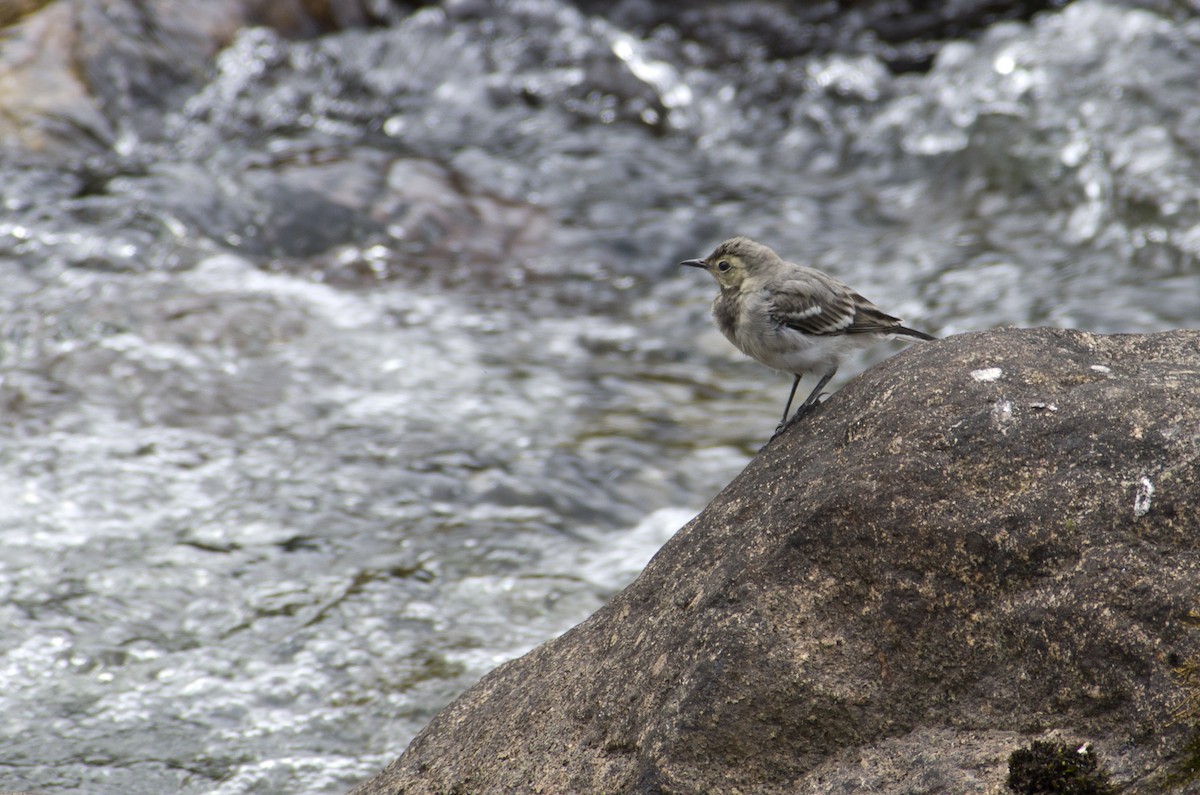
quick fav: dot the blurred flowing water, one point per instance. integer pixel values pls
(370, 367)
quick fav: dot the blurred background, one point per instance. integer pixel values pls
(344, 354)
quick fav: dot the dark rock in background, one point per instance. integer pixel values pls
(905, 35)
(981, 542)
(82, 73)
(80, 69)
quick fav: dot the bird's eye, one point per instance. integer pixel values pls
(722, 266)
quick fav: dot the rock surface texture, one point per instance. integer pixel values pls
(983, 542)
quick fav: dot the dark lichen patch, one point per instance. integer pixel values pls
(1188, 713)
(1189, 765)
(1048, 768)
(1188, 673)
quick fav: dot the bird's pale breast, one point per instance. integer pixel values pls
(743, 321)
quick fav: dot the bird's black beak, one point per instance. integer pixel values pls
(694, 263)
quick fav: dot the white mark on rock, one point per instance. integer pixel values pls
(1002, 411)
(1040, 406)
(1141, 503)
(986, 374)
(1099, 368)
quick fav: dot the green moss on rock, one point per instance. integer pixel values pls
(1047, 768)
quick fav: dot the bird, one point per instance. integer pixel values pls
(792, 317)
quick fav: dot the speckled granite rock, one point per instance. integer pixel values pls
(981, 542)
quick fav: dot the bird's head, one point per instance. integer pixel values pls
(734, 261)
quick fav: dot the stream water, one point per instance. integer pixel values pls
(371, 366)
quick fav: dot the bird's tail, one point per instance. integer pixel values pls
(905, 331)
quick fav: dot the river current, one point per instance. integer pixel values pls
(368, 364)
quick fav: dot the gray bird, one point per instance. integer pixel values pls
(791, 317)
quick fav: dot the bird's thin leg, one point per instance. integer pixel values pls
(788, 406)
(816, 393)
(809, 401)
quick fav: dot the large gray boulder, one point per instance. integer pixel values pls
(983, 542)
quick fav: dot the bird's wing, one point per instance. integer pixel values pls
(814, 303)
(812, 306)
(869, 318)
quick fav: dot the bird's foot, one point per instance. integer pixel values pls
(788, 422)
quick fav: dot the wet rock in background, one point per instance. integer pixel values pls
(84, 76)
(904, 35)
(13, 10)
(982, 541)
